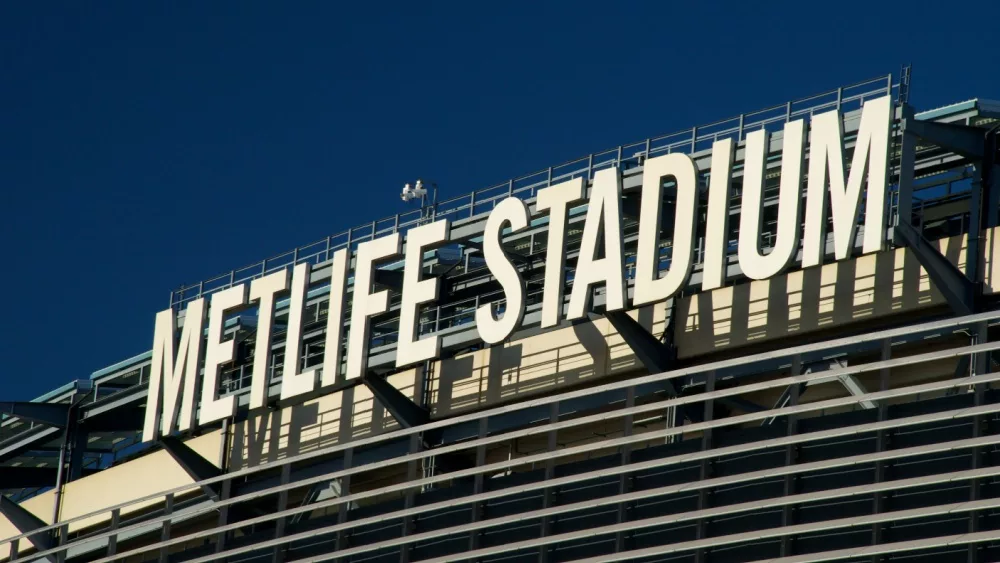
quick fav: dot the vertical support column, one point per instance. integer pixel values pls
(974, 247)
(63, 532)
(279, 525)
(706, 467)
(625, 479)
(975, 486)
(548, 493)
(78, 445)
(345, 490)
(478, 508)
(220, 538)
(907, 158)
(168, 509)
(881, 443)
(408, 521)
(116, 516)
(791, 458)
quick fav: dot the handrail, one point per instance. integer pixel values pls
(686, 141)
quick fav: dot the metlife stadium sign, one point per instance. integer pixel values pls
(174, 383)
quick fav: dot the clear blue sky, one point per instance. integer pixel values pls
(148, 144)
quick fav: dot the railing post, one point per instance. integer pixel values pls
(648, 147)
(510, 187)
(113, 538)
(395, 226)
(13, 550)
(232, 277)
(168, 509)
(619, 161)
(788, 112)
(550, 177)
(590, 166)
(739, 134)
(295, 256)
(472, 204)
(329, 245)
(201, 288)
(840, 97)
(694, 139)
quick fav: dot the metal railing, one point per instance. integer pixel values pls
(481, 201)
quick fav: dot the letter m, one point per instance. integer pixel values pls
(869, 169)
(172, 383)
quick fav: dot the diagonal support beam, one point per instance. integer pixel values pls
(966, 141)
(957, 289)
(25, 522)
(52, 414)
(656, 356)
(854, 387)
(407, 413)
(196, 466)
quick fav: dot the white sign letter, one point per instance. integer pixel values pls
(826, 154)
(649, 288)
(335, 317)
(755, 265)
(366, 303)
(263, 290)
(217, 353)
(605, 205)
(492, 329)
(294, 382)
(167, 379)
(556, 200)
(717, 224)
(410, 348)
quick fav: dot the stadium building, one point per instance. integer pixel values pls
(769, 338)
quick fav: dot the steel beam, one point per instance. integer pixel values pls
(966, 141)
(116, 421)
(958, 290)
(854, 387)
(407, 413)
(52, 414)
(196, 466)
(25, 522)
(656, 356)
